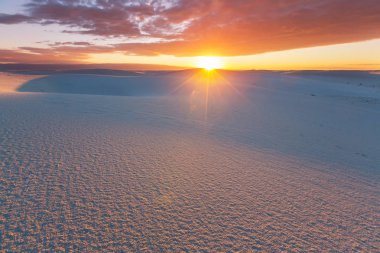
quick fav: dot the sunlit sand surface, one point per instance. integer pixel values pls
(11, 82)
(282, 162)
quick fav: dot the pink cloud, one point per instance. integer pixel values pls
(198, 27)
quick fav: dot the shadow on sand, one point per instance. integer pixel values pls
(99, 85)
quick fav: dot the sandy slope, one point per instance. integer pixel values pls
(11, 82)
(276, 162)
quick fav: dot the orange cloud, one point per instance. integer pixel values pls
(198, 27)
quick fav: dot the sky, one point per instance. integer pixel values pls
(243, 34)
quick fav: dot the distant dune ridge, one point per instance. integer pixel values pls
(54, 68)
(102, 160)
(61, 79)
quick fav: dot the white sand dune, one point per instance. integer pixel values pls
(131, 85)
(163, 162)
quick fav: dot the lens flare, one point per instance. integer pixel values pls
(209, 63)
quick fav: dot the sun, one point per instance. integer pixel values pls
(209, 63)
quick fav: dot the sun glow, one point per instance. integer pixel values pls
(209, 63)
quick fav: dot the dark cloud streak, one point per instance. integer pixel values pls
(9, 19)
